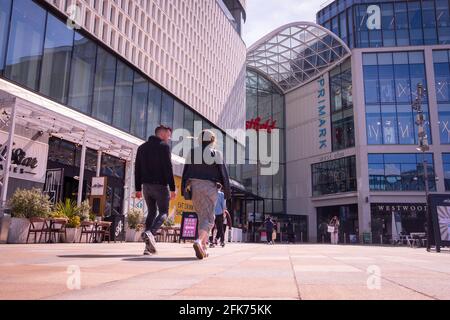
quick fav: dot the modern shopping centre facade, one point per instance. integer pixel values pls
(346, 87)
(84, 83)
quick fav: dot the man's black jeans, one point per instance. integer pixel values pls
(157, 198)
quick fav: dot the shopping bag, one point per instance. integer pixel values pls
(330, 229)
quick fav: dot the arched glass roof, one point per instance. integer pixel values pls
(296, 53)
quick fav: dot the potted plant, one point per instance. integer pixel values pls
(134, 230)
(84, 211)
(72, 213)
(26, 204)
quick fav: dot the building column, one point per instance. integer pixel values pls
(99, 163)
(128, 187)
(81, 175)
(7, 167)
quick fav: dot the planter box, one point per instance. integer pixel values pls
(18, 231)
(5, 222)
(133, 236)
(73, 235)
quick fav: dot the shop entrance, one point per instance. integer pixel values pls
(65, 156)
(390, 222)
(348, 219)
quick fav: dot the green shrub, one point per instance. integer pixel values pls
(74, 222)
(30, 204)
(85, 211)
(135, 218)
(66, 209)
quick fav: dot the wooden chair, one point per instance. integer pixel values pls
(104, 230)
(170, 235)
(58, 228)
(38, 226)
(88, 230)
(159, 236)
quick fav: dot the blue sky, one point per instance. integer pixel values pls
(264, 16)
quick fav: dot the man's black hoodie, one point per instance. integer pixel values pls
(153, 164)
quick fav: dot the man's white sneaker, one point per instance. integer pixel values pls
(150, 243)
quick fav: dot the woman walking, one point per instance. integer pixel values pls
(201, 177)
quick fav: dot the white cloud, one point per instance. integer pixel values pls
(263, 16)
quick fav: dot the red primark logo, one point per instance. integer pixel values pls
(256, 124)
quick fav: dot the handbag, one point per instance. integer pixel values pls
(330, 229)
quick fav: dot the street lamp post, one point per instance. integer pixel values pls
(423, 147)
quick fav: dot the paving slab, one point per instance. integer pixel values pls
(238, 271)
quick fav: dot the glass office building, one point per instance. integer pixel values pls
(351, 132)
(94, 80)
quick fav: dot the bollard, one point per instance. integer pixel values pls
(345, 238)
(381, 239)
(323, 239)
(301, 237)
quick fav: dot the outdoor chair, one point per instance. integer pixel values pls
(38, 226)
(104, 231)
(87, 230)
(57, 228)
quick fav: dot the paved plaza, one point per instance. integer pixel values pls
(238, 271)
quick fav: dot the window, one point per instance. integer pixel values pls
(139, 109)
(188, 122)
(5, 12)
(167, 110)
(390, 81)
(400, 172)
(446, 161)
(429, 22)
(415, 22)
(122, 96)
(335, 176)
(443, 21)
(444, 123)
(82, 74)
(154, 109)
(26, 39)
(56, 60)
(342, 125)
(113, 167)
(442, 76)
(178, 119)
(105, 77)
(388, 24)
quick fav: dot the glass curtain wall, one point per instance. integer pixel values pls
(400, 172)
(39, 52)
(390, 82)
(265, 103)
(402, 23)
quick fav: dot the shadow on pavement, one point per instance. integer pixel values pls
(150, 258)
(99, 256)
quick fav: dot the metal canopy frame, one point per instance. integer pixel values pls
(296, 54)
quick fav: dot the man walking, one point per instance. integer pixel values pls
(154, 176)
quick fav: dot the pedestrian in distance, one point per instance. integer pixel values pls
(154, 180)
(227, 222)
(221, 206)
(204, 168)
(269, 229)
(334, 232)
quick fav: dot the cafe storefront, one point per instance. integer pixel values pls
(391, 221)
